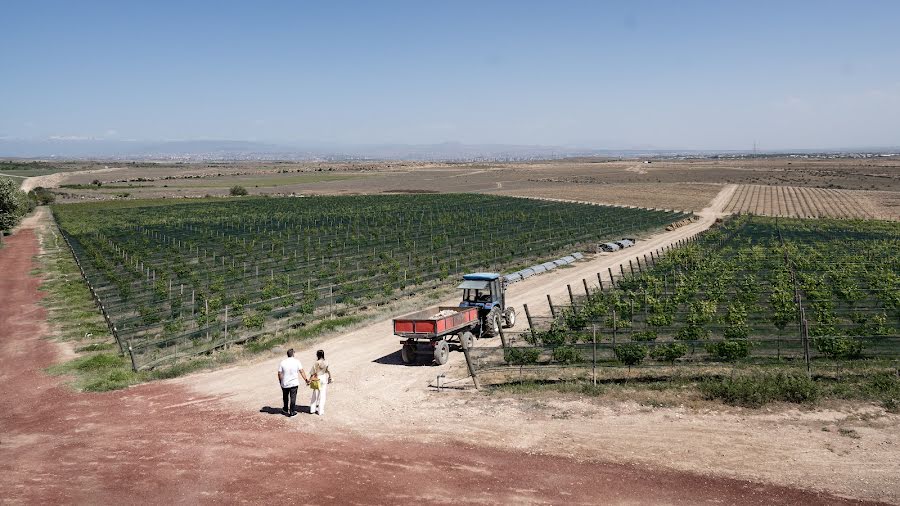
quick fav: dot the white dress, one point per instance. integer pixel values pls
(317, 403)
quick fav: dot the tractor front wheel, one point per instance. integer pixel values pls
(509, 317)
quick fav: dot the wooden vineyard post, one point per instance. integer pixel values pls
(550, 303)
(502, 336)
(631, 267)
(612, 281)
(594, 354)
(600, 280)
(528, 317)
(587, 292)
(805, 327)
(614, 326)
(622, 269)
(471, 366)
(226, 327)
(571, 297)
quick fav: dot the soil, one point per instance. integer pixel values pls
(218, 437)
(190, 442)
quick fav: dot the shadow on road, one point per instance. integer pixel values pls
(393, 358)
(277, 411)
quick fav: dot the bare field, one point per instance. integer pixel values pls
(813, 186)
(682, 196)
(810, 202)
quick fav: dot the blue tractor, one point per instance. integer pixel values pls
(487, 292)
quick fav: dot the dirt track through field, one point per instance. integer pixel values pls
(54, 180)
(202, 440)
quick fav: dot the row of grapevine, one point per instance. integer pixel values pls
(186, 278)
(751, 289)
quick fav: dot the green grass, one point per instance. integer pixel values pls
(321, 327)
(758, 390)
(749, 388)
(569, 387)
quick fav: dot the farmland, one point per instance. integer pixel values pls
(753, 290)
(182, 279)
(803, 202)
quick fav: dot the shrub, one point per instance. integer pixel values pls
(644, 336)
(757, 390)
(566, 355)
(254, 321)
(521, 356)
(836, 347)
(669, 352)
(631, 353)
(730, 350)
(237, 191)
(551, 338)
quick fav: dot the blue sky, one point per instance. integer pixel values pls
(667, 74)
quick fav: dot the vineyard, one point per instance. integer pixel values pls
(806, 202)
(182, 279)
(753, 290)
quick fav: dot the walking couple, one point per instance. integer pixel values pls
(289, 372)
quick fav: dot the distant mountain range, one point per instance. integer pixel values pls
(197, 150)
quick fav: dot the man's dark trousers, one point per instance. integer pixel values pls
(289, 394)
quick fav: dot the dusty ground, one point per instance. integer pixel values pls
(211, 438)
(805, 202)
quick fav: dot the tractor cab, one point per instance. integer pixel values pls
(487, 292)
(483, 290)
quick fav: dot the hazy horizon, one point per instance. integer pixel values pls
(603, 76)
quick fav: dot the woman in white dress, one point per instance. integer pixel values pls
(323, 374)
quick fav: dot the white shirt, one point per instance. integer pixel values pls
(290, 372)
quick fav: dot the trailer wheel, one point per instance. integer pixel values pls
(468, 338)
(408, 353)
(441, 352)
(509, 317)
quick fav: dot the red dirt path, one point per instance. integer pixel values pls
(157, 443)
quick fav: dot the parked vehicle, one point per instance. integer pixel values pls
(433, 332)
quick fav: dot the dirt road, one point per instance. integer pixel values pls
(54, 180)
(170, 442)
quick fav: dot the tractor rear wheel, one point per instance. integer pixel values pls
(441, 352)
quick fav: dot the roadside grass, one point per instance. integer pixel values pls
(751, 387)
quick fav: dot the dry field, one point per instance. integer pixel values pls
(812, 202)
(682, 196)
(813, 186)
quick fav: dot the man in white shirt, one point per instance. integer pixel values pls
(289, 372)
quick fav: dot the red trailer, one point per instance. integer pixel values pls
(430, 332)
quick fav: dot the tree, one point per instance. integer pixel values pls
(14, 204)
(237, 191)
